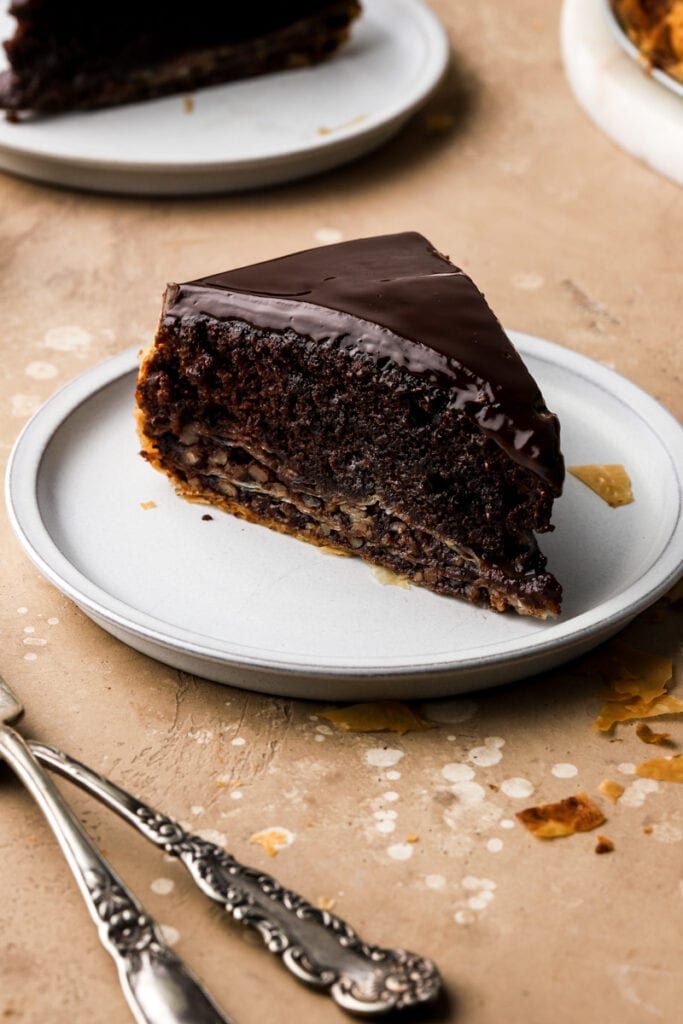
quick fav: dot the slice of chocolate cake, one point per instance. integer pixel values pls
(364, 397)
(81, 55)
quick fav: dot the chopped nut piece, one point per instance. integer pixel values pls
(663, 769)
(647, 735)
(612, 790)
(604, 845)
(610, 482)
(378, 716)
(574, 814)
(148, 504)
(326, 903)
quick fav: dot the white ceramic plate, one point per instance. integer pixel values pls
(240, 604)
(246, 134)
(630, 106)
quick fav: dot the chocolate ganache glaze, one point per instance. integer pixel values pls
(395, 297)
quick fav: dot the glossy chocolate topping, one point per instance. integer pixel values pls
(395, 297)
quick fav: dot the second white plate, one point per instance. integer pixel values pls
(240, 604)
(245, 134)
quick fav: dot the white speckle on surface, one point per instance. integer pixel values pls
(239, 741)
(68, 339)
(435, 881)
(162, 886)
(34, 641)
(383, 757)
(22, 610)
(30, 656)
(626, 768)
(494, 741)
(383, 815)
(468, 793)
(326, 730)
(450, 711)
(479, 902)
(236, 794)
(328, 236)
(40, 371)
(507, 823)
(391, 796)
(319, 739)
(625, 976)
(401, 851)
(451, 739)
(22, 405)
(201, 736)
(197, 809)
(170, 934)
(213, 836)
(456, 772)
(313, 718)
(464, 917)
(564, 770)
(393, 775)
(29, 629)
(386, 826)
(528, 282)
(472, 883)
(485, 756)
(517, 788)
(494, 845)
(53, 621)
(667, 832)
(634, 795)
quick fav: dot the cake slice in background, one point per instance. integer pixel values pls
(364, 397)
(84, 55)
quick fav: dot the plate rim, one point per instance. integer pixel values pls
(438, 48)
(24, 512)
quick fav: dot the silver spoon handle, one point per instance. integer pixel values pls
(315, 945)
(158, 986)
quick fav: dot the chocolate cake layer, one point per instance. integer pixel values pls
(84, 56)
(338, 429)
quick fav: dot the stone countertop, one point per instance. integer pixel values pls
(572, 240)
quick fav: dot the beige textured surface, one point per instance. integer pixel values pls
(572, 240)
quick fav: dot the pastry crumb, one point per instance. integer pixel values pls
(662, 769)
(604, 845)
(609, 482)
(378, 716)
(412, 838)
(636, 684)
(326, 903)
(188, 104)
(648, 735)
(564, 818)
(272, 841)
(612, 790)
(148, 504)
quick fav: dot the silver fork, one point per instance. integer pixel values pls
(158, 986)
(317, 947)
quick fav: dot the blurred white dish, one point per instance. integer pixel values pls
(245, 134)
(630, 106)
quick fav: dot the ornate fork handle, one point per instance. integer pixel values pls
(315, 945)
(158, 986)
